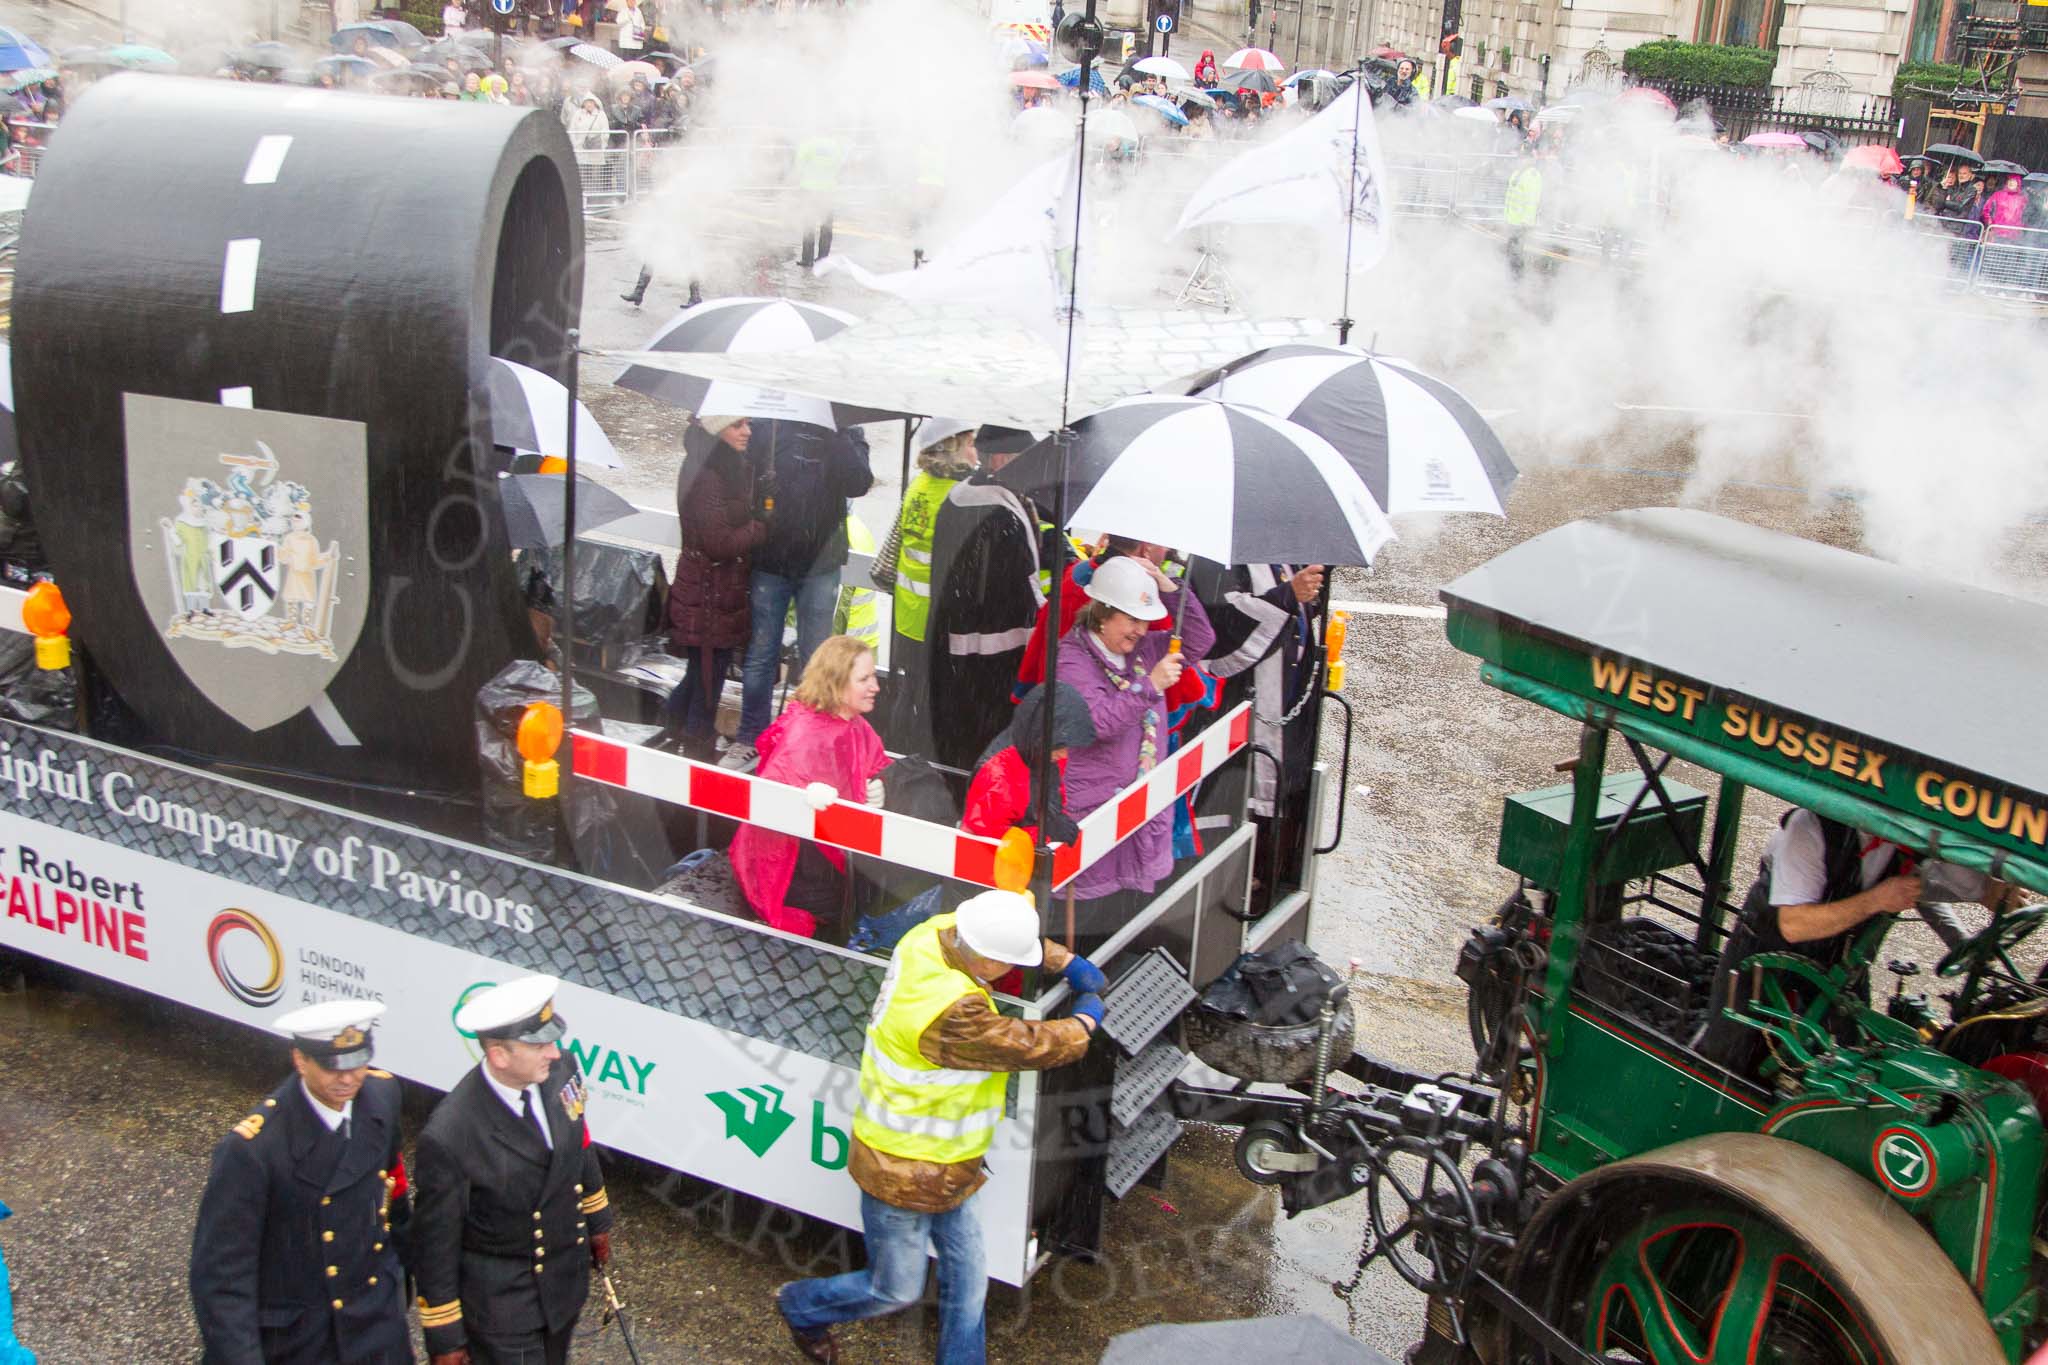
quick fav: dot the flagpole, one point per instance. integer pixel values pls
(1087, 37)
(1351, 204)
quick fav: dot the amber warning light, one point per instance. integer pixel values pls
(47, 618)
(539, 737)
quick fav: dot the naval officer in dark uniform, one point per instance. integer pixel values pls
(295, 1258)
(512, 1206)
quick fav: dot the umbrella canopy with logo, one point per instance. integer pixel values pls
(529, 412)
(1225, 482)
(1418, 444)
(740, 325)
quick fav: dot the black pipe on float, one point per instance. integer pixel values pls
(318, 281)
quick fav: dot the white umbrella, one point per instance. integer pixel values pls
(529, 412)
(1042, 123)
(1254, 59)
(1113, 124)
(1162, 66)
(1419, 445)
(1475, 114)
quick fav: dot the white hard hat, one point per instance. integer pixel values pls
(1001, 925)
(1123, 583)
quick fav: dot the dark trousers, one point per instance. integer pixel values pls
(817, 244)
(520, 1348)
(693, 706)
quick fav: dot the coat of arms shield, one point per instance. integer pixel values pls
(247, 543)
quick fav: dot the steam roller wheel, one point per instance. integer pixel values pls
(1741, 1249)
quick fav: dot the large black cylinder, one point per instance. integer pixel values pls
(248, 322)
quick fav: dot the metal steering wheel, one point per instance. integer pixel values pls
(2006, 932)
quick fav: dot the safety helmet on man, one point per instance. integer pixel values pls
(1002, 925)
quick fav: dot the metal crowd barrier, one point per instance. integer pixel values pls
(607, 167)
(25, 159)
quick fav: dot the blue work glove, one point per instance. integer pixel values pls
(1084, 976)
(1088, 1006)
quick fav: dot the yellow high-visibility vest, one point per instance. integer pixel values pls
(857, 614)
(1525, 195)
(921, 503)
(908, 1107)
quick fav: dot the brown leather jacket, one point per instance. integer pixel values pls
(969, 1036)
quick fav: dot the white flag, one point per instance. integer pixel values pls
(1016, 258)
(1328, 173)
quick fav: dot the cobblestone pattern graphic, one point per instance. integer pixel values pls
(600, 936)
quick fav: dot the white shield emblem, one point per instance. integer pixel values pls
(246, 572)
(248, 544)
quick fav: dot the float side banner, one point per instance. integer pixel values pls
(1972, 804)
(91, 877)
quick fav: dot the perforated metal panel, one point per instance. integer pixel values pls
(1145, 1000)
(1136, 1149)
(1141, 1079)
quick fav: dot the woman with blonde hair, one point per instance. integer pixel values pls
(823, 743)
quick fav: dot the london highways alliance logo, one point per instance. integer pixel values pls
(246, 958)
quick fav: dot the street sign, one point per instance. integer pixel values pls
(1164, 23)
(504, 7)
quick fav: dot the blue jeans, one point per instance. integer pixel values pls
(894, 1279)
(815, 599)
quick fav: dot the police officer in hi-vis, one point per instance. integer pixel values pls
(296, 1255)
(512, 1206)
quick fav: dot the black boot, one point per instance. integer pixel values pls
(639, 287)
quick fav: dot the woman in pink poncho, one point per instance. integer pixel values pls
(821, 742)
(2004, 212)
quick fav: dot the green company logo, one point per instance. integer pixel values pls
(754, 1114)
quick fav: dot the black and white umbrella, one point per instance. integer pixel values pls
(738, 325)
(1225, 482)
(1419, 444)
(10, 444)
(530, 411)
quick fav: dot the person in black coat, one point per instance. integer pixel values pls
(296, 1256)
(512, 1206)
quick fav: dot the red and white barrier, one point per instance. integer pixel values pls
(11, 600)
(904, 840)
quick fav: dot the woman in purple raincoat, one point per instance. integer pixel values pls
(1122, 669)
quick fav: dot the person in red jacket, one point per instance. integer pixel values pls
(1004, 793)
(709, 610)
